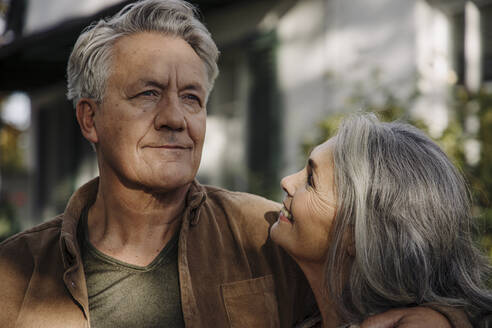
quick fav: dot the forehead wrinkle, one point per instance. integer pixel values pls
(321, 160)
(151, 82)
(183, 71)
(190, 79)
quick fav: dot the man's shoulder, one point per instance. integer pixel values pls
(34, 236)
(244, 213)
(239, 199)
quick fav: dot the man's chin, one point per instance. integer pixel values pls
(167, 184)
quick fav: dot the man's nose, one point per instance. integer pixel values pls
(170, 114)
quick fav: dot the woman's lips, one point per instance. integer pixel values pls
(285, 215)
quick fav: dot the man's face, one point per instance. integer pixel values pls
(151, 123)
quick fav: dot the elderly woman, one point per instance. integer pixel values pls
(379, 218)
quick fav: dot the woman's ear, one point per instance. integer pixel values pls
(85, 112)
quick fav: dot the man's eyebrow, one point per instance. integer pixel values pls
(194, 87)
(151, 83)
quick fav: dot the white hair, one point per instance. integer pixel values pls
(407, 209)
(89, 64)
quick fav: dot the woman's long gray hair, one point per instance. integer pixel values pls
(407, 209)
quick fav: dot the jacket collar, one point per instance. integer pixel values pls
(86, 195)
(194, 200)
(81, 198)
(73, 276)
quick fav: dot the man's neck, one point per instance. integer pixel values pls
(131, 224)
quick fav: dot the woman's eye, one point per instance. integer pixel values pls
(310, 179)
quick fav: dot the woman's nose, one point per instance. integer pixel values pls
(287, 185)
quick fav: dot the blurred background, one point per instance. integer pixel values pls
(289, 70)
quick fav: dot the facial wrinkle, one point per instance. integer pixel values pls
(322, 204)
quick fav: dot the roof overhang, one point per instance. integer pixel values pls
(39, 59)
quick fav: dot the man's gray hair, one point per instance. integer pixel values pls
(407, 209)
(90, 61)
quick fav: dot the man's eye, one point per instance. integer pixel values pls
(149, 93)
(192, 98)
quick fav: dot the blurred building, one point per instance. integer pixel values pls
(284, 65)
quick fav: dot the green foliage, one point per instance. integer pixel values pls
(11, 162)
(464, 105)
(11, 159)
(8, 223)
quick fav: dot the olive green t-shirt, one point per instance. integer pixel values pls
(125, 295)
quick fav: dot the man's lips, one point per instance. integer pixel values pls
(169, 146)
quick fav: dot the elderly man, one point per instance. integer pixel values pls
(145, 245)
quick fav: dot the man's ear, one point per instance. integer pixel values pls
(85, 111)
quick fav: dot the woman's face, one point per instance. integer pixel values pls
(304, 223)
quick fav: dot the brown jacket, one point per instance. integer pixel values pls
(231, 274)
